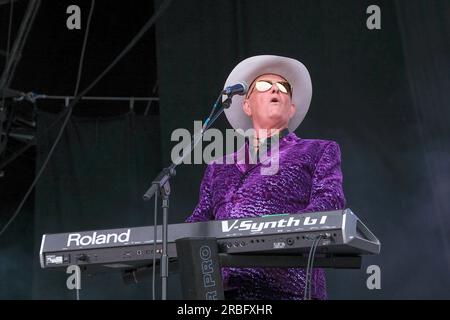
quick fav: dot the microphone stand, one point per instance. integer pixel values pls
(161, 186)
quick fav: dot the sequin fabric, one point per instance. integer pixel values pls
(309, 179)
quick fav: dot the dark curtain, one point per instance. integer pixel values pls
(425, 30)
(95, 180)
(16, 245)
(362, 98)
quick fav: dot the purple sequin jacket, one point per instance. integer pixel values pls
(309, 179)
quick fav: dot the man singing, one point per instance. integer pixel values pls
(308, 176)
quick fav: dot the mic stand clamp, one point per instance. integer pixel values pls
(226, 104)
(162, 186)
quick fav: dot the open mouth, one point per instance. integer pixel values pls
(274, 100)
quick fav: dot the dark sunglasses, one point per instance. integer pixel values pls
(266, 85)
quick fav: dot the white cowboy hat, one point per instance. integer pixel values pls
(290, 69)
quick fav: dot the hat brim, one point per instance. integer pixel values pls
(290, 69)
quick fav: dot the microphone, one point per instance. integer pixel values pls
(239, 88)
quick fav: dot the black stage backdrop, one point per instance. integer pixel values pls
(381, 94)
(95, 180)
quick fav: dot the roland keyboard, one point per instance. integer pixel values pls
(342, 235)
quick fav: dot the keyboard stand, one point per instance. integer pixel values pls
(199, 263)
